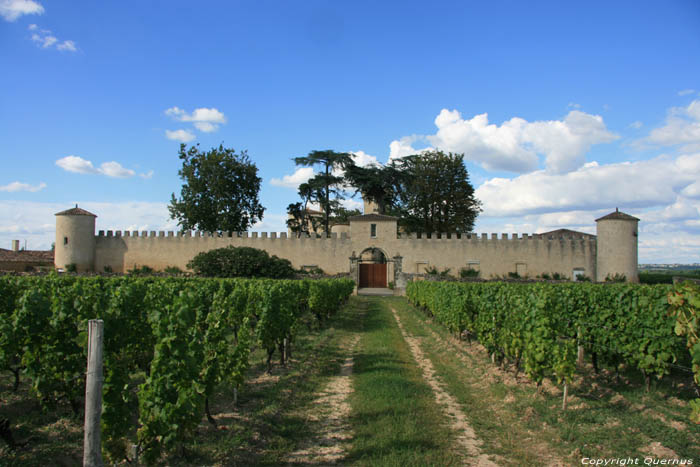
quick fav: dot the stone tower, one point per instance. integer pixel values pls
(617, 246)
(75, 239)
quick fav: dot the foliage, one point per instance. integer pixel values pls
(141, 270)
(617, 277)
(173, 271)
(240, 262)
(325, 188)
(514, 275)
(539, 325)
(377, 184)
(187, 334)
(220, 191)
(583, 278)
(72, 267)
(685, 308)
(468, 272)
(435, 194)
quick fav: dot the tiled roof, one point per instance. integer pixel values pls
(372, 218)
(619, 216)
(565, 233)
(27, 256)
(76, 211)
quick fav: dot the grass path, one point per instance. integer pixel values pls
(466, 438)
(604, 419)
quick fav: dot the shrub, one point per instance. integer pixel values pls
(546, 276)
(468, 272)
(559, 277)
(617, 277)
(240, 262)
(173, 271)
(583, 278)
(514, 275)
(141, 271)
(108, 269)
(72, 267)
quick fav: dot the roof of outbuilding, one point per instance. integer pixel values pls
(28, 256)
(565, 233)
(618, 215)
(76, 211)
(372, 218)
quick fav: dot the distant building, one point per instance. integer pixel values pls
(18, 260)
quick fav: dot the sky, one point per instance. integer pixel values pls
(564, 111)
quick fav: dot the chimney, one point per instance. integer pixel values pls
(15, 245)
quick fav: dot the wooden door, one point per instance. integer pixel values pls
(373, 275)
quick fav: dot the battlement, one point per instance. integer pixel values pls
(453, 237)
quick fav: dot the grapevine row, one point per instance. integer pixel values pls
(185, 336)
(539, 326)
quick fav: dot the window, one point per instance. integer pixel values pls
(373, 230)
(65, 240)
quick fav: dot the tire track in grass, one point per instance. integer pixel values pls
(330, 417)
(466, 437)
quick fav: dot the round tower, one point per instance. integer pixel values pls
(616, 252)
(75, 239)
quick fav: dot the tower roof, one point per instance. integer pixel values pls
(617, 215)
(76, 211)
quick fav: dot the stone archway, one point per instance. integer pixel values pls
(372, 268)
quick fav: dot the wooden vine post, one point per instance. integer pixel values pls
(92, 446)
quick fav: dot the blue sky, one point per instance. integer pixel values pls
(564, 110)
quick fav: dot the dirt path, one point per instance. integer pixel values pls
(329, 417)
(466, 437)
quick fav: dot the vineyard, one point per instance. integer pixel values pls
(185, 336)
(541, 327)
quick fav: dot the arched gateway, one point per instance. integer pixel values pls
(373, 268)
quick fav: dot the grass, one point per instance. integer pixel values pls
(604, 419)
(395, 418)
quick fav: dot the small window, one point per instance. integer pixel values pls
(65, 240)
(373, 230)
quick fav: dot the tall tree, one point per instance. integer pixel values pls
(219, 193)
(326, 187)
(435, 194)
(379, 184)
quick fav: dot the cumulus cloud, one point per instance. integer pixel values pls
(404, 147)
(516, 144)
(183, 136)
(45, 39)
(79, 165)
(204, 119)
(13, 9)
(641, 184)
(682, 127)
(301, 175)
(18, 186)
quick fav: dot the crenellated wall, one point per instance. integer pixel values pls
(491, 255)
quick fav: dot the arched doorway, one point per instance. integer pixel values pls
(373, 268)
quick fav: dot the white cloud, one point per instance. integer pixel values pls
(79, 165)
(516, 144)
(363, 159)
(404, 147)
(643, 184)
(18, 186)
(685, 92)
(204, 119)
(183, 136)
(301, 175)
(13, 9)
(574, 105)
(146, 176)
(45, 39)
(67, 45)
(636, 125)
(115, 170)
(682, 128)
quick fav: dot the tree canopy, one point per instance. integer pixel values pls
(429, 192)
(325, 188)
(434, 193)
(219, 193)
